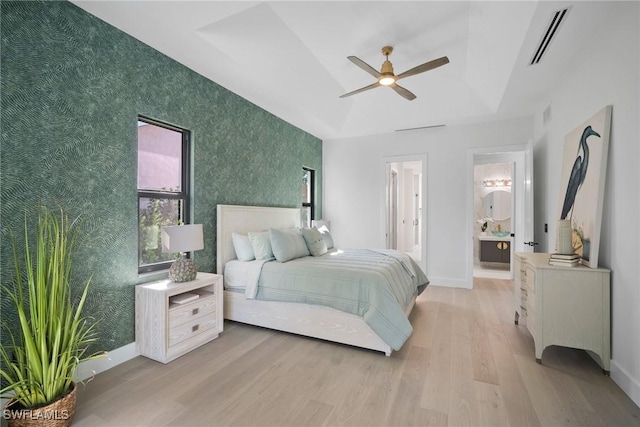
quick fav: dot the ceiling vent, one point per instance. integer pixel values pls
(557, 19)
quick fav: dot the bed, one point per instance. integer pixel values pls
(308, 319)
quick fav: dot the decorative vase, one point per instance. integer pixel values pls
(56, 414)
(182, 270)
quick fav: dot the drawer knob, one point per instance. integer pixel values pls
(194, 311)
(194, 328)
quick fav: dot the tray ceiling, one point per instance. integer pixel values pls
(290, 58)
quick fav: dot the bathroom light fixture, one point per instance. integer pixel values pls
(496, 183)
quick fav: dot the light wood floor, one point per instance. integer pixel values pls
(466, 364)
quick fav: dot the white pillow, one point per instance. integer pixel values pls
(242, 246)
(287, 244)
(261, 244)
(326, 236)
(315, 242)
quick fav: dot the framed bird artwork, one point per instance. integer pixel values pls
(584, 165)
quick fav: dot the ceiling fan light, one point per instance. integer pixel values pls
(387, 80)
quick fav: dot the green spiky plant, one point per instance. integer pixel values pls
(52, 336)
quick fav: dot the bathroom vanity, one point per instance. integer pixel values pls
(495, 249)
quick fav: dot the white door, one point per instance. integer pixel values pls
(528, 234)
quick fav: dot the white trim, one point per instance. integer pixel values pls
(115, 357)
(625, 381)
(450, 283)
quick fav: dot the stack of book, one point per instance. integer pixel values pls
(570, 260)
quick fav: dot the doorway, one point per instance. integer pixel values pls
(405, 212)
(520, 159)
(493, 213)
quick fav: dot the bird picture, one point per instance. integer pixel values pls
(581, 188)
(578, 172)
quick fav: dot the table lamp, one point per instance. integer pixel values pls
(182, 239)
(319, 223)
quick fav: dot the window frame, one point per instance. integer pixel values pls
(312, 192)
(184, 195)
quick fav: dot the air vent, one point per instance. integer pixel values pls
(418, 128)
(557, 19)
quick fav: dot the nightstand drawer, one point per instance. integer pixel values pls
(190, 329)
(193, 310)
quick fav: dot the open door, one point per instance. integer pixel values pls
(522, 192)
(528, 233)
(405, 217)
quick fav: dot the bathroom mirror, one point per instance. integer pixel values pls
(497, 205)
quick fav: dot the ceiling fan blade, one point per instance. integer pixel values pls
(362, 89)
(424, 67)
(368, 68)
(403, 92)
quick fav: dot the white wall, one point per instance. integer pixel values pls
(353, 188)
(608, 74)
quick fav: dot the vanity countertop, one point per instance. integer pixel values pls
(494, 238)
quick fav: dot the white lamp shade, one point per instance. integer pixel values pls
(182, 238)
(319, 223)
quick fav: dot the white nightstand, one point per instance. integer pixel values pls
(167, 329)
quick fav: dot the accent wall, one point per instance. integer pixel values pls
(72, 88)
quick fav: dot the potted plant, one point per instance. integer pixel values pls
(52, 336)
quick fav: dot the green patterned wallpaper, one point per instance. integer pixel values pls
(71, 89)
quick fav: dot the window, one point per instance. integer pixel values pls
(307, 211)
(163, 188)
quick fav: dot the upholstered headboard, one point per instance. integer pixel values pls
(242, 219)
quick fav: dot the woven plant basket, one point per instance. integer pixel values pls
(56, 414)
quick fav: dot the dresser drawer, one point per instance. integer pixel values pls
(201, 307)
(530, 302)
(523, 293)
(190, 329)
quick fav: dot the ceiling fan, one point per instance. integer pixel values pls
(387, 78)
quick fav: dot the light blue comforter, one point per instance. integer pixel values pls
(376, 285)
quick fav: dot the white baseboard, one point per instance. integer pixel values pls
(626, 382)
(115, 357)
(449, 283)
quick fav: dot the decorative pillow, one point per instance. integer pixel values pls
(287, 244)
(261, 244)
(326, 236)
(242, 246)
(315, 242)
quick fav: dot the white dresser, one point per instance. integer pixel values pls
(565, 306)
(175, 318)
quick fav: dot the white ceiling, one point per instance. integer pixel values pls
(290, 58)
